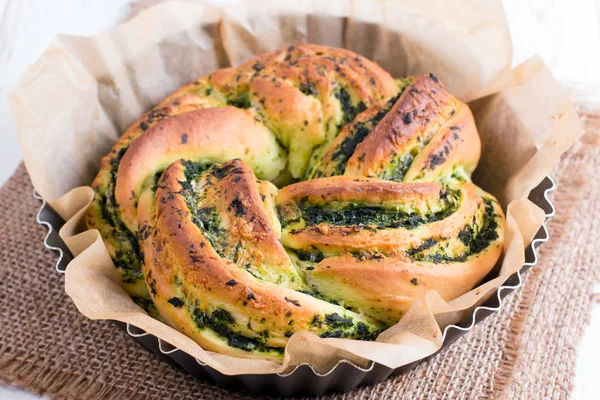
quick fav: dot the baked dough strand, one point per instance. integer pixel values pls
(375, 205)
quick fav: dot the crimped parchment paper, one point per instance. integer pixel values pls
(73, 103)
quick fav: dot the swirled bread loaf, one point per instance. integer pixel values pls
(375, 204)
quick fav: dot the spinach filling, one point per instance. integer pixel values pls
(398, 167)
(128, 254)
(459, 175)
(308, 89)
(220, 322)
(349, 109)
(358, 132)
(343, 326)
(206, 218)
(476, 240)
(314, 255)
(373, 216)
(243, 101)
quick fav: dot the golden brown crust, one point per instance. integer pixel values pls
(419, 198)
(238, 196)
(424, 135)
(330, 163)
(420, 109)
(297, 92)
(382, 269)
(177, 105)
(388, 286)
(238, 265)
(363, 190)
(195, 135)
(178, 249)
(457, 144)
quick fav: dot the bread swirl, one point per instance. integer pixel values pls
(384, 211)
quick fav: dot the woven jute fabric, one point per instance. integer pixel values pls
(525, 351)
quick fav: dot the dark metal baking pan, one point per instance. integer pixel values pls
(303, 380)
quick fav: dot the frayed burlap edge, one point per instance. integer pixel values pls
(42, 379)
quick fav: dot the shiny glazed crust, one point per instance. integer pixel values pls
(384, 210)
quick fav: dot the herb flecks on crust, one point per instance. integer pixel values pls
(375, 205)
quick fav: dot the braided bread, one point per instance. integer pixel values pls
(375, 205)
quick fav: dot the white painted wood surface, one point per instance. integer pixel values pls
(565, 33)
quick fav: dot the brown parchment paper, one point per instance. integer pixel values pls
(73, 103)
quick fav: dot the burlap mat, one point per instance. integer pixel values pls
(527, 350)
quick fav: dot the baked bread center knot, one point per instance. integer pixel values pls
(305, 190)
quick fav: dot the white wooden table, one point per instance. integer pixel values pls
(565, 33)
